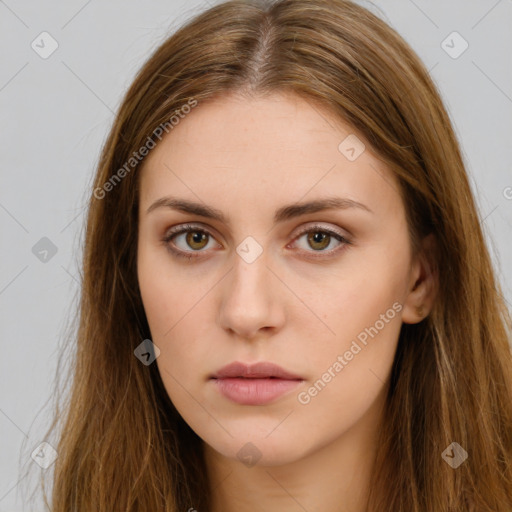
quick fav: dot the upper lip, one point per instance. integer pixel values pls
(259, 370)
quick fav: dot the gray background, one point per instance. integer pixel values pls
(57, 111)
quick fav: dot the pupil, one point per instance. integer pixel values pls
(319, 238)
(196, 239)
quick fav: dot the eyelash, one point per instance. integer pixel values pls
(189, 255)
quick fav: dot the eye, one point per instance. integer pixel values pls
(188, 239)
(320, 238)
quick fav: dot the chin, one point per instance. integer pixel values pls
(252, 449)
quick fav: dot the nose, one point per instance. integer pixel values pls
(252, 301)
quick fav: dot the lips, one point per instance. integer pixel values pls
(256, 384)
(262, 370)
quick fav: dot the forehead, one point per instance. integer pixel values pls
(279, 148)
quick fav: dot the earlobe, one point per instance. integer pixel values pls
(424, 284)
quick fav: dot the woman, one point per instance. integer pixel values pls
(287, 299)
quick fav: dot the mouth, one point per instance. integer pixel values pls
(261, 370)
(256, 384)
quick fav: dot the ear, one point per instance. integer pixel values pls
(423, 283)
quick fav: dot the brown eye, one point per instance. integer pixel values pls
(188, 241)
(196, 239)
(318, 240)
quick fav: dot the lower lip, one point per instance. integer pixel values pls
(254, 391)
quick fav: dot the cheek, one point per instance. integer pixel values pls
(350, 376)
(168, 295)
(172, 318)
(362, 309)
(176, 307)
(159, 299)
(359, 303)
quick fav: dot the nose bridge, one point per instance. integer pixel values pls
(249, 302)
(249, 278)
(250, 266)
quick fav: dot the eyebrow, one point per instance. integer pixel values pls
(284, 213)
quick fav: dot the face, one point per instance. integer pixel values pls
(242, 258)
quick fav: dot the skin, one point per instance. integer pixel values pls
(248, 158)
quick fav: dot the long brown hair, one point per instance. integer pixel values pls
(121, 444)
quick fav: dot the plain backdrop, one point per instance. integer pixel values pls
(56, 112)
